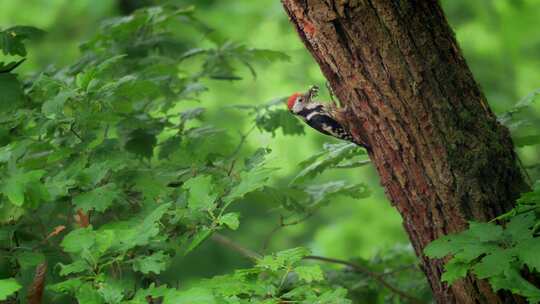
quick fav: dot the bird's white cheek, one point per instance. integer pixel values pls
(297, 107)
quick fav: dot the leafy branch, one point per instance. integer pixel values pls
(379, 278)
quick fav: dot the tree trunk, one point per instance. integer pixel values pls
(406, 89)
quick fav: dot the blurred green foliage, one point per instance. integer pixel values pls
(239, 88)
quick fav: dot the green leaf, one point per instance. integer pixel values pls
(204, 144)
(141, 143)
(283, 259)
(199, 237)
(249, 181)
(54, 107)
(531, 198)
(324, 192)
(94, 173)
(14, 188)
(309, 274)
(193, 295)
(83, 78)
(230, 220)
(440, 248)
(78, 240)
(20, 185)
(86, 294)
(156, 263)
(514, 282)
(454, 270)
(12, 94)
(293, 255)
(468, 244)
(26, 32)
(111, 293)
(132, 88)
(472, 250)
(5, 153)
(269, 55)
(169, 146)
(10, 213)
(10, 66)
(76, 267)
(485, 232)
(528, 253)
(28, 259)
(11, 39)
(8, 287)
(138, 231)
(331, 157)
(99, 199)
(69, 286)
(109, 63)
(195, 113)
(494, 264)
(257, 158)
(151, 185)
(105, 239)
(521, 123)
(231, 285)
(155, 292)
(280, 118)
(10, 45)
(335, 296)
(519, 227)
(201, 192)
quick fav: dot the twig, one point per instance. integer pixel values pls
(72, 129)
(245, 252)
(35, 291)
(524, 169)
(375, 276)
(231, 167)
(400, 269)
(282, 225)
(243, 138)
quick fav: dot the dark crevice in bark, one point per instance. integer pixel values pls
(342, 36)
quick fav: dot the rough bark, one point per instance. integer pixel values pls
(405, 87)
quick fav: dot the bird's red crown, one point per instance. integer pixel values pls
(292, 99)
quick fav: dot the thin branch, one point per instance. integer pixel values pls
(400, 269)
(226, 242)
(231, 167)
(72, 129)
(282, 225)
(243, 138)
(375, 276)
(35, 291)
(529, 179)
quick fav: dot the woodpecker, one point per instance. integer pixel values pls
(319, 116)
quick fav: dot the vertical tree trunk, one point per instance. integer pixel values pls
(440, 153)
